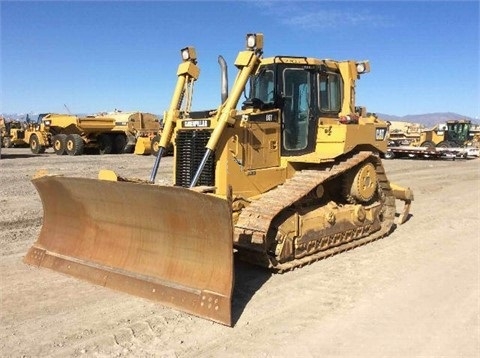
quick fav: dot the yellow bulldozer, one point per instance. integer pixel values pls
(292, 176)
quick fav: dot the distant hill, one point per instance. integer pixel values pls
(428, 119)
(32, 116)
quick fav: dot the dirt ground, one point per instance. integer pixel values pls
(415, 293)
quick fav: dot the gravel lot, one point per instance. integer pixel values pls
(415, 293)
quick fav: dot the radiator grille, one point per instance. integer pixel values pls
(190, 146)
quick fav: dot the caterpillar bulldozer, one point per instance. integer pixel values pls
(291, 176)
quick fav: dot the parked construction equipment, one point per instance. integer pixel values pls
(13, 134)
(450, 140)
(453, 133)
(292, 177)
(431, 152)
(403, 133)
(116, 132)
(133, 131)
(2, 133)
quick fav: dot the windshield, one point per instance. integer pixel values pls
(458, 131)
(263, 86)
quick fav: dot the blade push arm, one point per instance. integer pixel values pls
(187, 73)
(247, 63)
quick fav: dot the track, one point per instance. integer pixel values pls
(256, 219)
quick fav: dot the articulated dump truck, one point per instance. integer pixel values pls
(291, 176)
(133, 132)
(114, 132)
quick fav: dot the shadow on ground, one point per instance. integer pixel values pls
(248, 280)
(18, 156)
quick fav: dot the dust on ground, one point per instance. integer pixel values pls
(415, 293)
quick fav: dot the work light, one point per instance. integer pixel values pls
(363, 67)
(188, 54)
(254, 41)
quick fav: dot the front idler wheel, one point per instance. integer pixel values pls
(361, 184)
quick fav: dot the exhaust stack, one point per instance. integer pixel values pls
(224, 78)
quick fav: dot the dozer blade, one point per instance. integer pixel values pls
(168, 244)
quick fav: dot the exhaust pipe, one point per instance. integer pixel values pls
(224, 96)
(224, 78)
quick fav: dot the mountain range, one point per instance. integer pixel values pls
(427, 119)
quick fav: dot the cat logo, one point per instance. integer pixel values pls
(196, 123)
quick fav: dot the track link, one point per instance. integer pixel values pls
(255, 220)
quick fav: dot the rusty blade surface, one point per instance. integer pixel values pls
(168, 244)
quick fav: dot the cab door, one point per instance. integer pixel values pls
(263, 138)
(298, 111)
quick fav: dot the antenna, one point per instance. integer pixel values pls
(67, 109)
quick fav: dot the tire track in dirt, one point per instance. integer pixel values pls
(49, 314)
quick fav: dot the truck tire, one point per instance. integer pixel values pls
(7, 142)
(120, 144)
(105, 144)
(428, 144)
(155, 145)
(130, 148)
(35, 145)
(74, 144)
(59, 144)
(444, 144)
(389, 154)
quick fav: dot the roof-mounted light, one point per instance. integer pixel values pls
(363, 67)
(188, 54)
(255, 41)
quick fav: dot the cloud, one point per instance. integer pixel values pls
(323, 19)
(317, 16)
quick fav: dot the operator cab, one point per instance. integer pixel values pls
(457, 132)
(302, 92)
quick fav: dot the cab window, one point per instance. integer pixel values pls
(329, 88)
(263, 88)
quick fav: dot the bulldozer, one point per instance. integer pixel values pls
(289, 176)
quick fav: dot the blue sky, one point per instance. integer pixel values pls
(97, 56)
